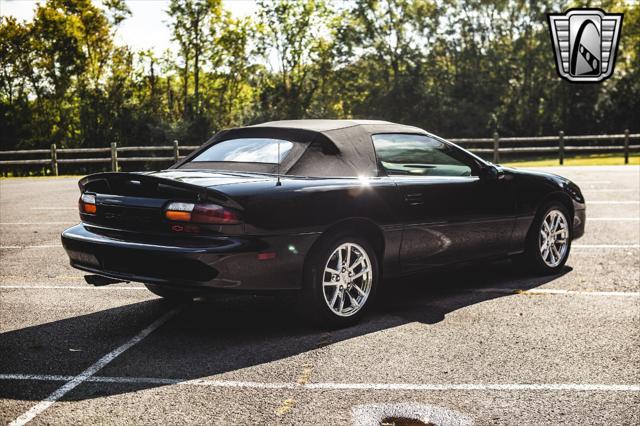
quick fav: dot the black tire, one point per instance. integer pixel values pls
(312, 302)
(171, 294)
(532, 258)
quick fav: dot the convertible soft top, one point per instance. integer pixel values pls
(336, 148)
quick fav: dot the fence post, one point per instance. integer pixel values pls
(561, 147)
(54, 159)
(176, 151)
(114, 157)
(626, 146)
(496, 148)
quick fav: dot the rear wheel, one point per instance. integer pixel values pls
(341, 280)
(171, 294)
(549, 241)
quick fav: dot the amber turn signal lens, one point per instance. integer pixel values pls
(178, 215)
(88, 204)
(89, 208)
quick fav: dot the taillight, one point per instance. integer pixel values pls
(87, 204)
(201, 213)
(180, 212)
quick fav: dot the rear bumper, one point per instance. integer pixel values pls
(229, 262)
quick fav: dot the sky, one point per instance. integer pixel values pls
(146, 27)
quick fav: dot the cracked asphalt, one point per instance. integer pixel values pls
(486, 341)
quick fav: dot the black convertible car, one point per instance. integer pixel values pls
(323, 207)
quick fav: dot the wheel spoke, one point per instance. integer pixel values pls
(359, 290)
(348, 261)
(340, 258)
(361, 273)
(334, 298)
(545, 252)
(331, 270)
(330, 283)
(354, 302)
(341, 302)
(356, 263)
(561, 223)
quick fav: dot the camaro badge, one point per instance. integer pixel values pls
(585, 42)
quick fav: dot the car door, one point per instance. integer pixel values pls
(450, 213)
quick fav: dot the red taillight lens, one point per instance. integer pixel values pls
(212, 213)
(201, 213)
(87, 204)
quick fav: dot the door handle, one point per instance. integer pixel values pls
(414, 199)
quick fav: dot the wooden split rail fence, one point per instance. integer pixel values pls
(559, 145)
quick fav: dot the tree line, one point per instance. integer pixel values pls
(456, 68)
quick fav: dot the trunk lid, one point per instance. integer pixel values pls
(136, 201)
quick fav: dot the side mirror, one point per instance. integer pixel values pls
(490, 172)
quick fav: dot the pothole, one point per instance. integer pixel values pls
(407, 414)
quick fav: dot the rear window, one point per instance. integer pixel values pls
(247, 150)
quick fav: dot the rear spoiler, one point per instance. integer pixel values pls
(143, 185)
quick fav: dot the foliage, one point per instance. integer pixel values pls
(459, 69)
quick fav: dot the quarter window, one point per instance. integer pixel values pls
(418, 155)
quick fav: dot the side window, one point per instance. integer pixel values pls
(418, 155)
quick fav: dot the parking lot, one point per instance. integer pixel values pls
(488, 343)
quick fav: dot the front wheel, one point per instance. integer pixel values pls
(549, 241)
(341, 279)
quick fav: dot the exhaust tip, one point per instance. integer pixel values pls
(100, 280)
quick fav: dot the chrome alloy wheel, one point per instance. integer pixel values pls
(347, 279)
(554, 238)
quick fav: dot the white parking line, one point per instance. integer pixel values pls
(67, 287)
(40, 246)
(74, 381)
(599, 246)
(612, 190)
(556, 291)
(37, 223)
(589, 182)
(593, 387)
(613, 202)
(475, 386)
(54, 208)
(612, 219)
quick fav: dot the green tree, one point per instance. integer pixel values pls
(294, 34)
(190, 22)
(455, 68)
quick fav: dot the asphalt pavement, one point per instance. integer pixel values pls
(482, 344)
